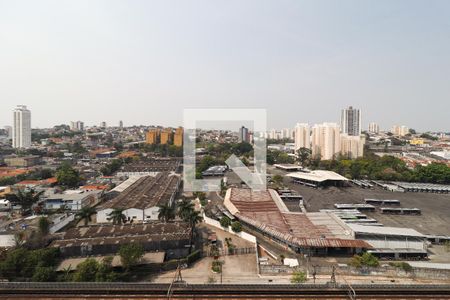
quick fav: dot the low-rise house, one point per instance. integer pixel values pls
(72, 199)
(22, 161)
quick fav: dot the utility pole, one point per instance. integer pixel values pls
(333, 276)
(177, 278)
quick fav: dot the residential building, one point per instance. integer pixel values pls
(22, 127)
(351, 121)
(77, 126)
(302, 136)
(178, 137)
(166, 136)
(287, 133)
(374, 128)
(73, 200)
(274, 134)
(352, 146)
(120, 124)
(399, 130)
(152, 136)
(326, 141)
(243, 134)
(22, 161)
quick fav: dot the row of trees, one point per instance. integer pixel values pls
(370, 166)
(163, 149)
(21, 264)
(387, 168)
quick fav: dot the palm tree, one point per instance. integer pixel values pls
(166, 212)
(85, 214)
(117, 216)
(193, 219)
(184, 209)
(28, 198)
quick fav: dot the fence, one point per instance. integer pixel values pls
(275, 270)
(230, 251)
(387, 271)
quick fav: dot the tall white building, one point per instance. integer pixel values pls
(243, 134)
(22, 127)
(286, 133)
(374, 128)
(399, 130)
(302, 133)
(77, 126)
(351, 121)
(120, 124)
(325, 140)
(352, 146)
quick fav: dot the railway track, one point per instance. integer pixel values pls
(18, 290)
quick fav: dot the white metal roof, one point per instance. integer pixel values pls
(317, 176)
(388, 231)
(127, 183)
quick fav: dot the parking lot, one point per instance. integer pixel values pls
(435, 218)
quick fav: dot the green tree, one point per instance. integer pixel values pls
(225, 222)
(86, 271)
(365, 260)
(166, 212)
(105, 272)
(130, 255)
(85, 214)
(298, 277)
(27, 198)
(303, 155)
(193, 219)
(44, 225)
(185, 208)
(44, 274)
(68, 176)
(236, 226)
(278, 180)
(117, 216)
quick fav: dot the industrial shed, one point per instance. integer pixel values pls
(392, 242)
(141, 197)
(106, 239)
(318, 178)
(306, 233)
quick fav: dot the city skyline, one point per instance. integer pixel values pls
(110, 61)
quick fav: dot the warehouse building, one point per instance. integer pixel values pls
(173, 238)
(318, 178)
(392, 242)
(140, 200)
(307, 233)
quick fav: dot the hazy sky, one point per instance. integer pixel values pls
(144, 61)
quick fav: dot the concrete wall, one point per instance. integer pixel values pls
(243, 235)
(61, 222)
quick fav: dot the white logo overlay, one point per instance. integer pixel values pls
(255, 180)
